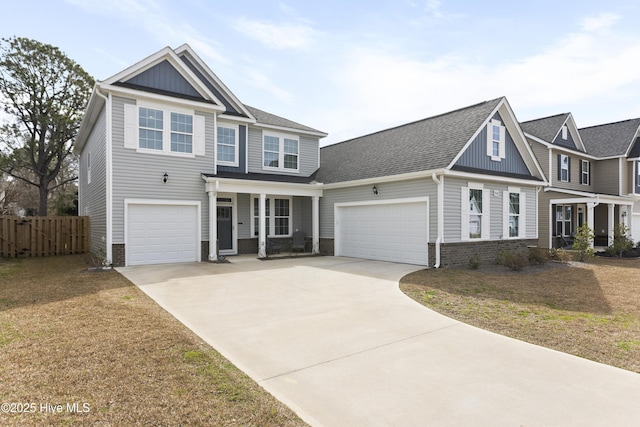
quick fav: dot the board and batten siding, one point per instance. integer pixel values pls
(93, 196)
(453, 213)
(606, 176)
(307, 153)
(139, 175)
(386, 191)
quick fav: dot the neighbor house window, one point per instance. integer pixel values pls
(496, 140)
(564, 215)
(228, 145)
(163, 130)
(181, 133)
(564, 168)
(277, 216)
(585, 167)
(280, 152)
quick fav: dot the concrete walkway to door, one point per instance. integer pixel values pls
(338, 342)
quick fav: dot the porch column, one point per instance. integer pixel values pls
(610, 222)
(590, 221)
(315, 218)
(213, 226)
(262, 234)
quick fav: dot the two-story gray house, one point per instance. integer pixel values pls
(590, 177)
(174, 168)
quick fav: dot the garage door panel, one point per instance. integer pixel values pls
(158, 234)
(390, 232)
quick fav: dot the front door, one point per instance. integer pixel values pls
(225, 228)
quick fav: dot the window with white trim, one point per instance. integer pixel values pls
(496, 140)
(564, 168)
(565, 132)
(227, 145)
(277, 217)
(637, 174)
(280, 152)
(514, 213)
(89, 168)
(474, 212)
(158, 129)
(564, 218)
(585, 170)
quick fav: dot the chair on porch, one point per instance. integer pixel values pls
(298, 241)
(567, 241)
(273, 247)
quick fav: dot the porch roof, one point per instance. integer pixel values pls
(257, 183)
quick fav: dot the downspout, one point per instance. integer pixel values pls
(440, 187)
(109, 183)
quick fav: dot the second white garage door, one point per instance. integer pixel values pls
(162, 233)
(388, 231)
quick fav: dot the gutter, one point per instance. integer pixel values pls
(440, 186)
(109, 177)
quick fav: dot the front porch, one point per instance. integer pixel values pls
(601, 213)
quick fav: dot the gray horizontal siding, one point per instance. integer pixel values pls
(453, 215)
(574, 184)
(307, 156)
(542, 155)
(386, 191)
(93, 196)
(245, 216)
(606, 176)
(139, 175)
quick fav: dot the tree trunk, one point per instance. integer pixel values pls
(42, 188)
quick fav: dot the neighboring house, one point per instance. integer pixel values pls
(171, 161)
(589, 177)
(433, 192)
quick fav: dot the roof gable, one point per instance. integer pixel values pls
(165, 78)
(611, 139)
(550, 130)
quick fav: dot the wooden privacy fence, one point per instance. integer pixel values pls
(43, 235)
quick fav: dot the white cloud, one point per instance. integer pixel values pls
(601, 22)
(260, 80)
(432, 8)
(277, 36)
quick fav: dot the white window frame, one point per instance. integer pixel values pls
(131, 131)
(564, 220)
(586, 171)
(281, 154)
(565, 132)
(88, 168)
(270, 219)
(563, 168)
(506, 213)
(491, 141)
(236, 129)
(465, 210)
(637, 183)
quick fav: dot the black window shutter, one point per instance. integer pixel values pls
(569, 169)
(589, 174)
(559, 167)
(580, 180)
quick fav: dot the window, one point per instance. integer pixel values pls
(280, 152)
(563, 220)
(475, 213)
(637, 175)
(157, 129)
(277, 217)
(585, 165)
(228, 145)
(496, 140)
(563, 171)
(565, 132)
(181, 133)
(514, 214)
(89, 168)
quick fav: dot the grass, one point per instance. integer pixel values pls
(589, 310)
(69, 335)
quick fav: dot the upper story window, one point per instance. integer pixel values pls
(564, 168)
(565, 132)
(163, 130)
(496, 140)
(638, 174)
(280, 152)
(585, 172)
(228, 145)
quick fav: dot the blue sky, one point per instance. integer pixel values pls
(354, 67)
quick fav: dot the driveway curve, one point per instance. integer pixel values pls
(338, 342)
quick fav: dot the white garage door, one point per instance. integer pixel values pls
(159, 234)
(397, 231)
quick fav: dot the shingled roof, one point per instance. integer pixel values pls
(427, 144)
(271, 119)
(545, 128)
(611, 139)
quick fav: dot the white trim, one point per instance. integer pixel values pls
(288, 129)
(495, 178)
(109, 184)
(582, 172)
(383, 202)
(381, 179)
(281, 154)
(236, 129)
(234, 220)
(195, 203)
(620, 177)
(230, 185)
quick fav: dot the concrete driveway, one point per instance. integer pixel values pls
(338, 342)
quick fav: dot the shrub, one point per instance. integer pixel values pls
(582, 243)
(514, 261)
(474, 262)
(538, 256)
(621, 241)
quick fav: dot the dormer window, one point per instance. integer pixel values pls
(496, 140)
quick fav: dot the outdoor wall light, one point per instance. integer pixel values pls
(375, 190)
(165, 177)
